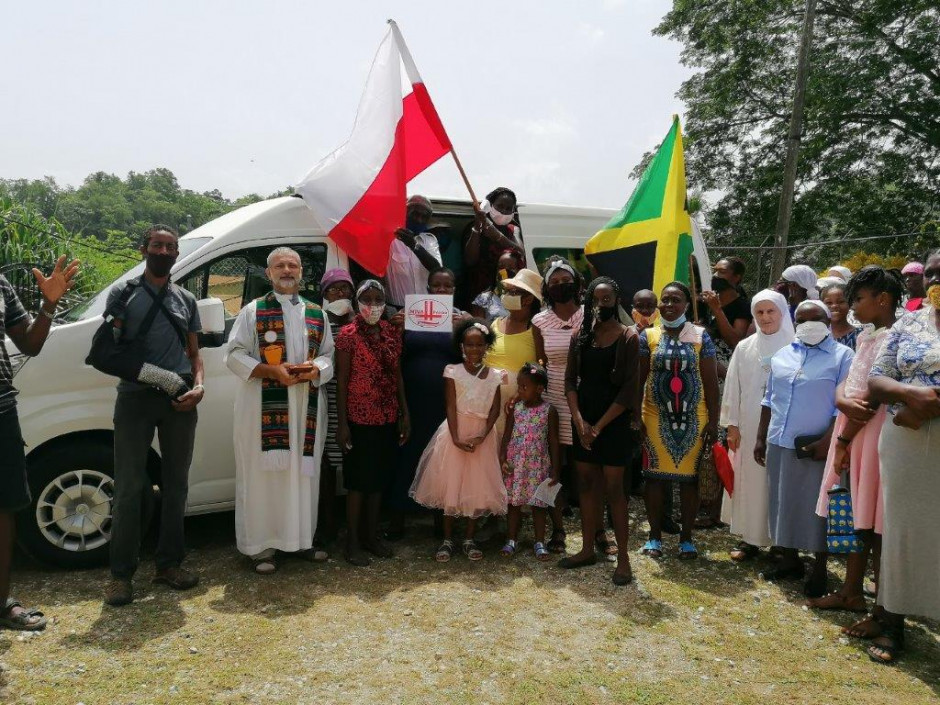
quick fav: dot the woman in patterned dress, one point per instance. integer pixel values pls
(906, 374)
(679, 379)
(553, 329)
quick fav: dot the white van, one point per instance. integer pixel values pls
(66, 407)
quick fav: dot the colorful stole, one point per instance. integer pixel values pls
(275, 427)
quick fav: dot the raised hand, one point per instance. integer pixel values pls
(61, 279)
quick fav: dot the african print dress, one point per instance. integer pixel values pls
(674, 410)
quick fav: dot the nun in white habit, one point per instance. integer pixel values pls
(745, 384)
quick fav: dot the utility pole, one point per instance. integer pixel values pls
(793, 146)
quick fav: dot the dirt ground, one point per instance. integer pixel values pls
(409, 630)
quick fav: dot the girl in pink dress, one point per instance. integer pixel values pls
(459, 471)
(874, 295)
(530, 454)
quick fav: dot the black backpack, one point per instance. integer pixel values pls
(113, 354)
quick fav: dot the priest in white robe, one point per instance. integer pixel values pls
(747, 509)
(278, 435)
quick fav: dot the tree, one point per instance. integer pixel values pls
(870, 155)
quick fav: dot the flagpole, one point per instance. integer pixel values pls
(463, 175)
(453, 152)
(692, 275)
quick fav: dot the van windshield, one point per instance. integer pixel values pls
(94, 306)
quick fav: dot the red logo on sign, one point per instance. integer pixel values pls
(427, 313)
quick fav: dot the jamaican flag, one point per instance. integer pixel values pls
(648, 243)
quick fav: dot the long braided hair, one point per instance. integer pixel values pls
(586, 336)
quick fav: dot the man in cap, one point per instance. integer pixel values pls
(413, 254)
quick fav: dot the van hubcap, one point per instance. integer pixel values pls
(73, 511)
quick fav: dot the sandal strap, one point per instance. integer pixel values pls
(653, 545)
(687, 547)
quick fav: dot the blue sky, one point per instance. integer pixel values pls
(556, 99)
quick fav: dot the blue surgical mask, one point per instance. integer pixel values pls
(678, 323)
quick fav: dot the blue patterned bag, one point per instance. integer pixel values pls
(840, 527)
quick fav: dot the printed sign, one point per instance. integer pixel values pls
(429, 312)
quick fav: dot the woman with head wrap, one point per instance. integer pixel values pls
(745, 384)
(336, 285)
(552, 330)
(372, 418)
(793, 441)
(913, 274)
(798, 283)
(494, 230)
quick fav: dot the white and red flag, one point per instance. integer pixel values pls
(357, 193)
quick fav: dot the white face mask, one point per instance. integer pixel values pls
(371, 314)
(340, 307)
(511, 302)
(812, 332)
(500, 218)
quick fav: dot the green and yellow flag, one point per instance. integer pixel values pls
(648, 243)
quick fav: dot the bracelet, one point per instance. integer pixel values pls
(44, 312)
(199, 388)
(843, 440)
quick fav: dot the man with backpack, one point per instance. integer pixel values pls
(166, 317)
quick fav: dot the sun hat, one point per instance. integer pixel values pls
(528, 281)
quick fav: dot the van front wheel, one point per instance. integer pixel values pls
(68, 523)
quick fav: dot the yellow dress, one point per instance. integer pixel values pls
(674, 410)
(509, 353)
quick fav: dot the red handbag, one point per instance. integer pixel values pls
(723, 467)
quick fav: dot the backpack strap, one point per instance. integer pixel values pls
(158, 299)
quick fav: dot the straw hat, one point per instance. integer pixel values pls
(527, 280)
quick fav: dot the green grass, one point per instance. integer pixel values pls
(411, 631)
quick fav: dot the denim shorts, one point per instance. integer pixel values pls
(14, 488)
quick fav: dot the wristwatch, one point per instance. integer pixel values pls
(44, 312)
(199, 388)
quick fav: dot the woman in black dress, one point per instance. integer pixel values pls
(425, 355)
(600, 384)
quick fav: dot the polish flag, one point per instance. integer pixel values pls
(357, 193)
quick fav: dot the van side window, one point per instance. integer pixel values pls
(226, 281)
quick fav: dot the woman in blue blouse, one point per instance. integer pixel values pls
(907, 375)
(793, 440)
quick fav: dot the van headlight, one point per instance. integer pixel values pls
(17, 360)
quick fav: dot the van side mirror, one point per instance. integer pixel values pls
(212, 315)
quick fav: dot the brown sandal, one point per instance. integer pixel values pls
(838, 601)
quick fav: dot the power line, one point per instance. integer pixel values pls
(66, 240)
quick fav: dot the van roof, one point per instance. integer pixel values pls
(289, 215)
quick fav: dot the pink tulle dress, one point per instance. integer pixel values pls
(864, 466)
(453, 480)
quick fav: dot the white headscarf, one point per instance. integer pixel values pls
(844, 273)
(804, 276)
(767, 345)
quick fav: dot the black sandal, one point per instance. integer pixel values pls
(27, 620)
(744, 552)
(557, 544)
(891, 648)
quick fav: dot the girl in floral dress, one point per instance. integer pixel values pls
(530, 454)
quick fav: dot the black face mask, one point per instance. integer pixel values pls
(563, 293)
(719, 285)
(604, 313)
(160, 264)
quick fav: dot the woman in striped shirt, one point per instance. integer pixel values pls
(553, 329)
